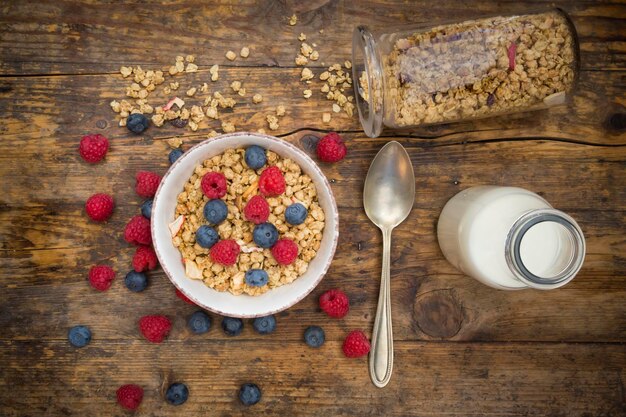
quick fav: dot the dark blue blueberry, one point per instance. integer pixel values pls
(264, 325)
(296, 214)
(137, 123)
(232, 326)
(175, 154)
(146, 209)
(249, 394)
(79, 336)
(255, 157)
(136, 281)
(177, 393)
(265, 235)
(256, 277)
(215, 211)
(206, 236)
(199, 322)
(314, 336)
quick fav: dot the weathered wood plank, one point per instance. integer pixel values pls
(507, 379)
(71, 37)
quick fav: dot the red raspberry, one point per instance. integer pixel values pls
(183, 297)
(272, 182)
(145, 258)
(137, 231)
(101, 276)
(213, 185)
(225, 252)
(331, 148)
(129, 396)
(155, 328)
(93, 148)
(335, 303)
(285, 251)
(147, 183)
(99, 207)
(257, 210)
(356, 344)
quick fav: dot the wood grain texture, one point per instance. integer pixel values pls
(461, 348)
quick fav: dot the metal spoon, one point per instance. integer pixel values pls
(388, 197)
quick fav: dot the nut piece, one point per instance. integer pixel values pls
(293, 20)
(245, 52)
(214, 72)
(230, 55)
(257, 98)
(326, 118)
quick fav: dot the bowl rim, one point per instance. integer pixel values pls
(335, 231)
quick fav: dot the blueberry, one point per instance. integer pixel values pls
(175, 154)
(265, 235)
(232, 326)
(137, 123)
(314, 336)
(146, 209)
(249, 394)
(79, 336)
(206, 236)
(256, 277)
(296, 214)
(136, 281)
(215, 211)
(199, 322)
(177, 393)
(255, 157)
(264, 325)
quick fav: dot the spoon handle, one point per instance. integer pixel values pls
(381, 355)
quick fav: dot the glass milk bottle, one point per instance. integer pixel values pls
(510, 238)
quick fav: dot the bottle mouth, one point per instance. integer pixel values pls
(545, 249)
(367, 80)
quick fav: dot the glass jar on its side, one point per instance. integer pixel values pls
(510, 238)
(461, 71)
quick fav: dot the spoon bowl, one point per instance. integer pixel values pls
(388, 198)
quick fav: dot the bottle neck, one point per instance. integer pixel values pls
(545, 248)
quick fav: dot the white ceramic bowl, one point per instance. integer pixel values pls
(225, 303)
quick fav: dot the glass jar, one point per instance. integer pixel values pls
(510, 238)
(461, 71)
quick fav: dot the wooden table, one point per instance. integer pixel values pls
(461, 348)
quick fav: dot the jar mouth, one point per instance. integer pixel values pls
(367, 78)
(525, 237)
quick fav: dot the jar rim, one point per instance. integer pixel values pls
(364, 50)
(514, 241)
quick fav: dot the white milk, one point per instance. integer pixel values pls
(474, 227)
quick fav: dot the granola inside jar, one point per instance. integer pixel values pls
(474, 69)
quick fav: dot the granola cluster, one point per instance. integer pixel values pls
(477, 68)
(243, 185)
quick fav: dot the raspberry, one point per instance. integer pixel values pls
(99, 207)
(257, 210)
(137, 231)
(272, 182)
(213, 185)
(145, 258)
(335, 303)
(183, 297)
(155, 328)
(285, 251)
(356, 344)
(93, 148)
(225, 252)
(129, 396)
(147, 183)
(101, 276)
(331, 148)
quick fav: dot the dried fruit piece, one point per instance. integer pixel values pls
(511, 53)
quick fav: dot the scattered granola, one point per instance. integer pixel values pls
(191, 92)
(280, 110)
(307, 93)
(306, 74)
(272, 122)
(190, 206)
(230, 55)
(301, 60)
(326, 118)
(214, 71)
(228, 127)
(257, 98)
(245, 52)
(293, 20)
(302, 37)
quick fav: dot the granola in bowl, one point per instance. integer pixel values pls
(242, 184)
